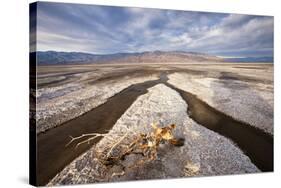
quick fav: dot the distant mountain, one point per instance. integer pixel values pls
(53, 57)
(166, 57)
(250, 59)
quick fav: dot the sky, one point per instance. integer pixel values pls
(107, 30)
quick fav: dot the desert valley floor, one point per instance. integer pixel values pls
(224, 112)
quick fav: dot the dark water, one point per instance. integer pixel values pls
(53, 156)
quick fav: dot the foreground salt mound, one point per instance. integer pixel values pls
(249, 102)
(204, 152)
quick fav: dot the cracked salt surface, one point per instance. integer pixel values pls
(56, 105)
(245, 101)
(205, 152)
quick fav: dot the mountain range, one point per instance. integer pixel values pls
(54, 57)
(265, 59)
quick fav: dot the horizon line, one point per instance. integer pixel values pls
(138, 52)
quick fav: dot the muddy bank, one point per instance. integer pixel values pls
(115, 76)
(52, 79)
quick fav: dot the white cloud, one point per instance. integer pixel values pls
(98, 29)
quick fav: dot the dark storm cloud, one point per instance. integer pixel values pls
(103, 29)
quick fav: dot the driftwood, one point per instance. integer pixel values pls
(146, 145)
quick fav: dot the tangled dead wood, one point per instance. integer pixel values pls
(146, 145)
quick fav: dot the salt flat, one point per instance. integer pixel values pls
(241, 92)
(204, 153)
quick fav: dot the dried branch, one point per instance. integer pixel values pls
(145, 144)
(122, 138)
(93, 136)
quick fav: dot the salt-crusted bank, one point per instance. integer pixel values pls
(247, 101)
(56, 105)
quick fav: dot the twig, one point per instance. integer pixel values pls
(108, 153)
(94, 135)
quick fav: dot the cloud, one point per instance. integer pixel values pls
(255, 34)
(103, 29)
